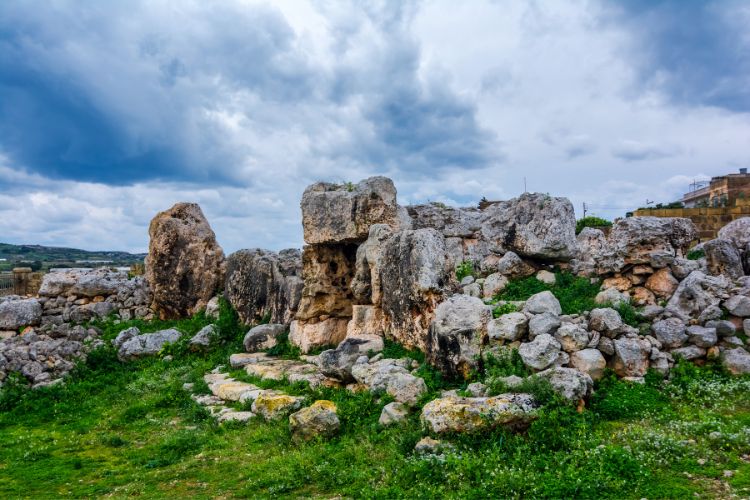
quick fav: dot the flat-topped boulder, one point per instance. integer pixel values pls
(343, 213)
(533, 225)
(185, 264)
(16, 312)
(456, 414)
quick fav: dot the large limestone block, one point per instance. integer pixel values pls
(414, 273)
(457, 335)
(327, 271)
(366, 286)
(366, 321)
(264, 285)
(636, 238)
(343, 213)
(309, 336)
(454, 414)
(533, 225)
(185, 264)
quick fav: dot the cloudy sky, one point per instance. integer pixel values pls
(112, 111)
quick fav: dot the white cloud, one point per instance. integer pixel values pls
(454, 101)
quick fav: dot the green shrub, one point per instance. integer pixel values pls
(591, 221)
(503, 309)
(395, 350)
(629, 314)
(696, 254)
(464, 269)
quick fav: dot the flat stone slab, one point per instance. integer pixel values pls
(235, 416)
(241, 359)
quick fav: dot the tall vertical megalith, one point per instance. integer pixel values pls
(185, 264)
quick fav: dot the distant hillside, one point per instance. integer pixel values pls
(38, 256)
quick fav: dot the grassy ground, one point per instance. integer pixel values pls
(130, 430)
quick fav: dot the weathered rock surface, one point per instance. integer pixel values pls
(392, 377)
(455, 414)
(264, 285)
(263, 337)
(147, 344)
(327, 271)
(702, 336)
(571, 384)
(572, 337)
(545, 323)
(605, 320)
(738, 232)
(511, 327)
(393, 413)
(365, 285)
(202, 340)
(45, 358)
(589, 361)
(633, 240)
(540, 352)
(415, 271)
(738, 305)
(16, 313)
(631, 357)
(670, 332)
(337, 363)
(512, 266)
(723, 257)
(662, 283)
(317, 420)
(543, 302)
(309, 336)
(457, 335)
(343, 213)
(272, 406)
(185, 264)
(533, 225)
(697, 293)
(736, 360)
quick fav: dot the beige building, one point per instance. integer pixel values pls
(722, 191)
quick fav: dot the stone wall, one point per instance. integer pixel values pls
(77, 296)
(708, 220)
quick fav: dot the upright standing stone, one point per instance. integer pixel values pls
(185, 264)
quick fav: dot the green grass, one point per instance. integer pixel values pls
(576, 294)
(127, 430)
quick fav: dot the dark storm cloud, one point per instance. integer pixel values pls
(697, 52)
(127, 92)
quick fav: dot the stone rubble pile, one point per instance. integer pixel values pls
(43, 356)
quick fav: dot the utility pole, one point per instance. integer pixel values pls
(585, 209)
